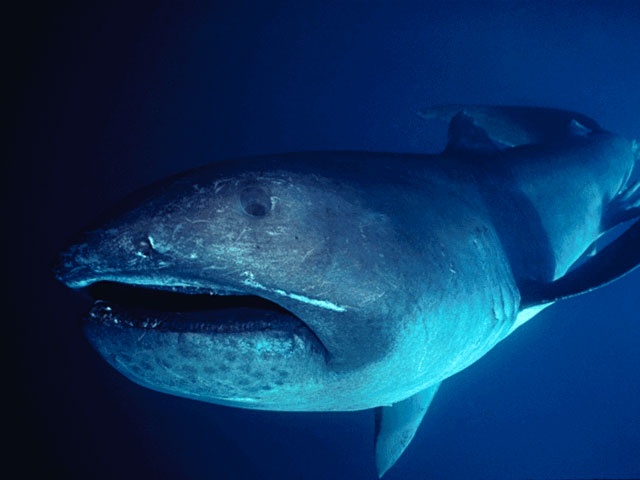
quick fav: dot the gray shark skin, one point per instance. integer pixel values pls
(323, 281)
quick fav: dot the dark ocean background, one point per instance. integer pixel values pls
(106, 99)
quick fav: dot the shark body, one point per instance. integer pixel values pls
(325, 281)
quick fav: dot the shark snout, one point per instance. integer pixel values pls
(70, 269)
(108, 255)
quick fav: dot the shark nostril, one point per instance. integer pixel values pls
(145, 247)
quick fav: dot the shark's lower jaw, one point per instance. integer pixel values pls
(235, 350)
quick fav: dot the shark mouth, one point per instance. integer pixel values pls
(181, 310)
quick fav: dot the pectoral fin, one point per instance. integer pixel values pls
(624, 207)
(396, 425)
(612, 262)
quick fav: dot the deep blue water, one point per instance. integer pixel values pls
(107, 99)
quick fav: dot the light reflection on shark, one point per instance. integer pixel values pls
(326, 281)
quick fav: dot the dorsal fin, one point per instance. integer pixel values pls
(466, 136)
(515, 125)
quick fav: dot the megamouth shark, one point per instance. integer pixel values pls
(336, 281)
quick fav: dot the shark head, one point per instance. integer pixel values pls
(344, 280)
(257, 283)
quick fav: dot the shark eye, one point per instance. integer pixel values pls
(255, 201)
